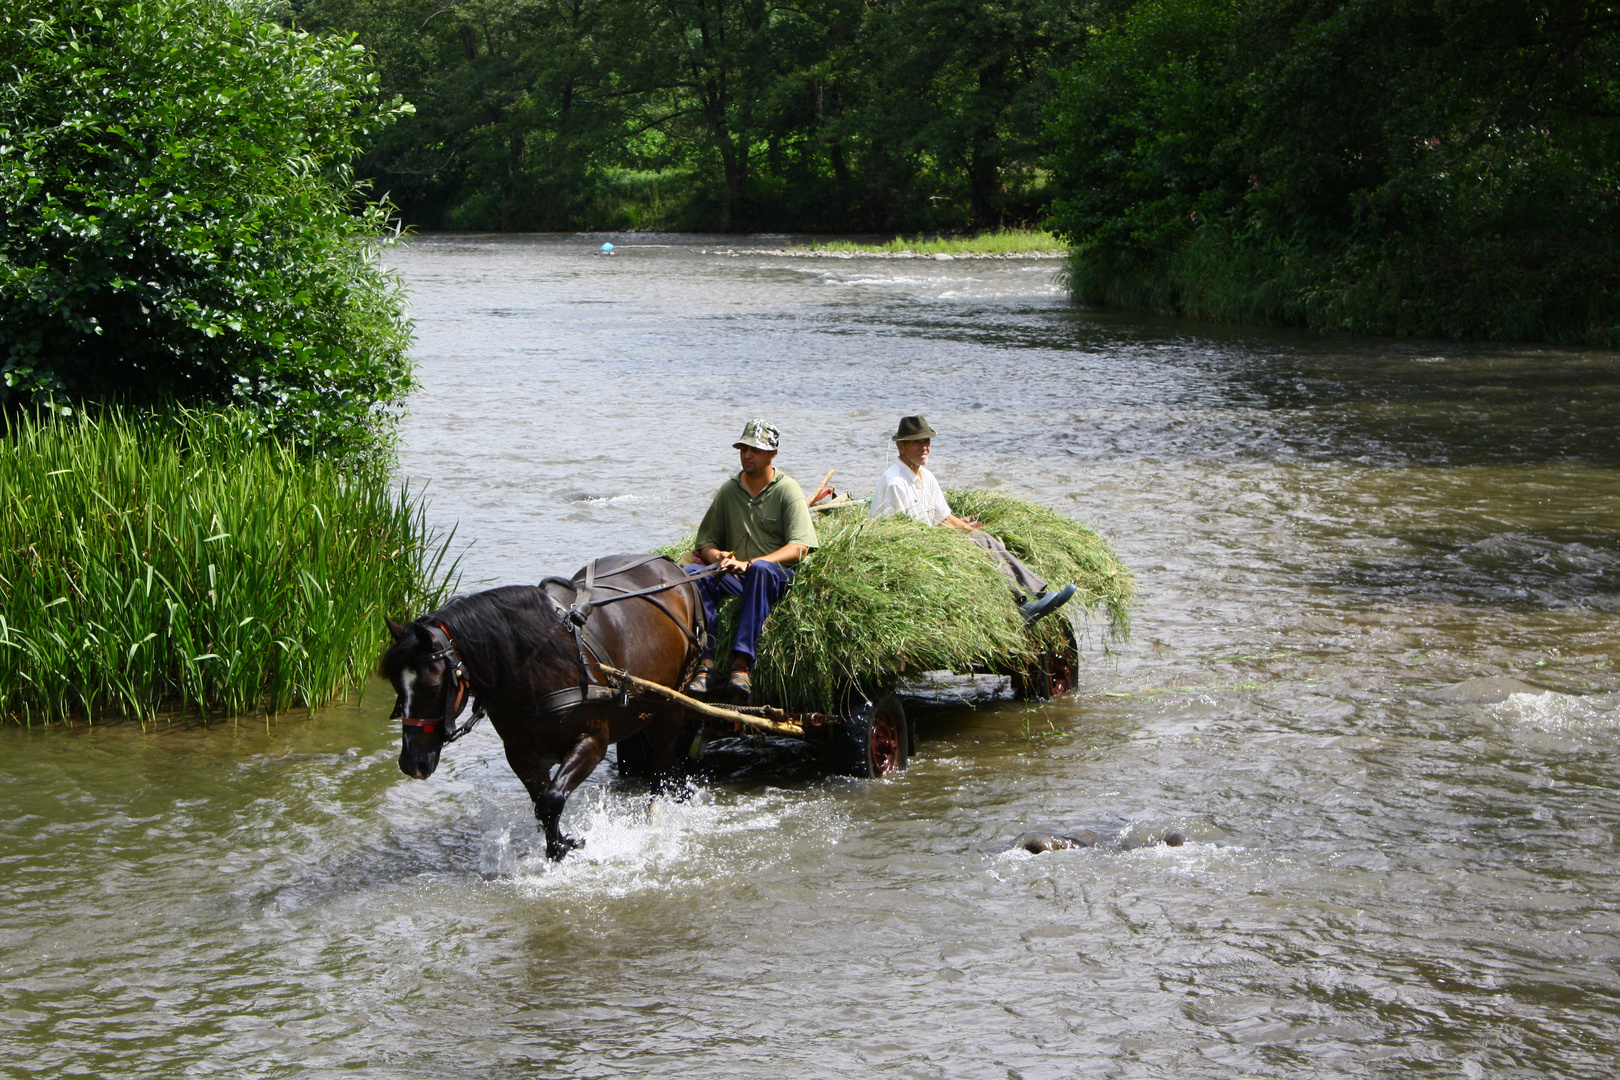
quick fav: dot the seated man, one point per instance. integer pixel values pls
(757, 527)
(909, 488)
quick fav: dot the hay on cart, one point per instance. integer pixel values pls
(882, 598)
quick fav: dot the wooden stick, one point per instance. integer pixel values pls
(776, 727)
(821, 486)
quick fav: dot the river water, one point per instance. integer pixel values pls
(1372, 680)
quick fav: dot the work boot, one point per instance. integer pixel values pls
(741, 685)
(699, 686)
(1044, 604)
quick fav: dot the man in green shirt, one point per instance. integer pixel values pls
(757, 528)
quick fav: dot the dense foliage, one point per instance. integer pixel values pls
(179, 218)
(1440, 167)
(728, 114)
(184, 560)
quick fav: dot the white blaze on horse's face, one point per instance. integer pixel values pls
(407, 688)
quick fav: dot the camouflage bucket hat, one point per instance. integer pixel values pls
(760, 435)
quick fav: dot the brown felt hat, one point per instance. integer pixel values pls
(913, 427)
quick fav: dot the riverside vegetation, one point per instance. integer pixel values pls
(183, 560)
(990, 242)
(1427, 167)
(179, 218)
(201, 359)
(1446, 168)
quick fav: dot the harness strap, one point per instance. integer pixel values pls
(570, 697)
(577, 614)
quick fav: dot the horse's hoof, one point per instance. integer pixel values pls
(555, 850)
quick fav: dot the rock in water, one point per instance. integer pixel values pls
(1037, 842)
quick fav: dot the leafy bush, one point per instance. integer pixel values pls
(184, 560)
(179, 220)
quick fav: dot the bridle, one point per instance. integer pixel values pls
(444, 649)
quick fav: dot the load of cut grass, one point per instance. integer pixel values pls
(888, 597)
(188, 562)
(1059, 549)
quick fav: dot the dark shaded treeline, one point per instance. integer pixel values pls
(1431, 167)
(715, 114)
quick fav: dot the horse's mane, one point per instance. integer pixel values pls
(498, 633)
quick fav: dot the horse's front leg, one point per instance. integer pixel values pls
(582, 760)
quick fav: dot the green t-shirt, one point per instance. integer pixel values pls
(751, 527)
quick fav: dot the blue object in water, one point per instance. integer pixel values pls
(608, 248)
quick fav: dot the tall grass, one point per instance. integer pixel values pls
(187, 562)
(994, 242)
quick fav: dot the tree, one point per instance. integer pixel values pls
(1441, 167)
(179, 218)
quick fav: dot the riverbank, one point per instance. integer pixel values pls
(1014, 243)
(1493, 289)
(190, 562)
(996, 244)
(810, 253)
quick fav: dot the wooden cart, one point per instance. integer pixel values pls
(872, 736)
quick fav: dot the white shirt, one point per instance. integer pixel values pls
(901, 491)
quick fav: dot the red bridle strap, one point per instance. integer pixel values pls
(427, 725)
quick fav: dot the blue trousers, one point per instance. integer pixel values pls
(760, 588)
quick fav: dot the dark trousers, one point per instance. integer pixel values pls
(760, 588)
(1026, 583)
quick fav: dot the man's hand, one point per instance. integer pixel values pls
(965, 524)
(729, 565)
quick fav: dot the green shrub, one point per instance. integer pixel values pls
(186, 561)
(179, 221)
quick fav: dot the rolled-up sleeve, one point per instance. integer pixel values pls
(797, 526)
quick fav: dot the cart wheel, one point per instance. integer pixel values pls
(635, 757)
(1051, 674)
(1062, 670)
(874, 739)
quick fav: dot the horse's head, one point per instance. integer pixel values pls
(431, 689)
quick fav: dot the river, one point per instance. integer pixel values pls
(1372, 679)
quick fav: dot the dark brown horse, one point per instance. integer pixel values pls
(527, 657)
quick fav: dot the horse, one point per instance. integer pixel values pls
(528, 657)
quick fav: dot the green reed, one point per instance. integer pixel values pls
(188, 562)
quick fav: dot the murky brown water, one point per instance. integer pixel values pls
(1372, 679)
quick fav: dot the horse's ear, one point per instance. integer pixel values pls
(424, 638)
(399, 630)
